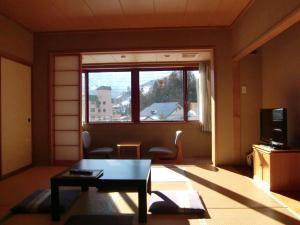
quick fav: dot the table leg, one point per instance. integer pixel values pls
(138, 152)
(84, 188)
(142, 195)
(55, 201)
(119, 152)
(149, 183)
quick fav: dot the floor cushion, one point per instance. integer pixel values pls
(40, 201)
(100, 220)
(171, 201)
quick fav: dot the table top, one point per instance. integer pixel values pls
(271, 150)
(116, 169)
(129, 144)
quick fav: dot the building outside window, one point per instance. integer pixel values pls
(163, 95)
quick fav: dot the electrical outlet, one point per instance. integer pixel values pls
(244, 89)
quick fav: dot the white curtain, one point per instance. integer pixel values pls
(204, 96)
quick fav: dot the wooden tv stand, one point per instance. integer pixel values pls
(276, 169)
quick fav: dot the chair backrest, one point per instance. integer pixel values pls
(86, 139)
(178, 137)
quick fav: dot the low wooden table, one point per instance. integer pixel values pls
(137, 145)
(118, 175)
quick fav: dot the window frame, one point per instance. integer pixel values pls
(135, 93)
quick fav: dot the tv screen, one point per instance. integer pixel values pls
(273, 127)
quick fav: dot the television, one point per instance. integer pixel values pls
(273, 127)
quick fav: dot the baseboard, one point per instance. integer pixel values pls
(64, 162)
(16, 172)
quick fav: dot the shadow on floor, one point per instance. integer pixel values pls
(280, 217)
(241, 170)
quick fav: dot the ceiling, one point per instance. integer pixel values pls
(147, 57)
(68, 15)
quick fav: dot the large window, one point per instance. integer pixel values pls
(161, 95)
(140, 95)
(109, 96)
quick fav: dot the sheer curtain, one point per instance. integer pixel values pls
(204, 96)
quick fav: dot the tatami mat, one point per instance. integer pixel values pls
(167, 174)
(230, 198)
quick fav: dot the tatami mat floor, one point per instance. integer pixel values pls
(230, 198)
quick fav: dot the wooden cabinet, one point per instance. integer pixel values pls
(276, 170)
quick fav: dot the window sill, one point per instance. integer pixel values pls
(143, 122)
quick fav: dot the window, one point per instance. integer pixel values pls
(112, 89)
(161, 95)
(142, 95)
(193, 94)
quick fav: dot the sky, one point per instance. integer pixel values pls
(120, 83)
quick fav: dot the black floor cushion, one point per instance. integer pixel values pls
(100, 220)
(176, 202)
(40, 201)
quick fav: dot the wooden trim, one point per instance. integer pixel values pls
(16, 59)
(135, 96)
(67, 145)
(136, 29)
(214, 110)
(185, 96)
(236, 112)
(64, 162)
(65, 70)
(32, 114)
(80, 156)
(54, 115)
(242, 13)
(138, 65)
(207, 48)
(146, 122)
(16, 171)
(65, 130)
(291, 19)
(0, 117)
(66, 85)
(51, 66)
(65, 100)
(86, 97)
(18, 23)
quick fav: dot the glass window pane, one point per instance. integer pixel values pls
(110, 97)
(193, 94)
(161, 95)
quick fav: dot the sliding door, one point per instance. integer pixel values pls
(16, 151)
(65, 108)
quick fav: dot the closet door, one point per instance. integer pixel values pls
(16, 151)
(66, 109)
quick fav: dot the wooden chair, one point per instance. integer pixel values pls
(103, 152)
(165, 154)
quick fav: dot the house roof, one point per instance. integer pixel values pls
(104, 88)
(160, 109)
